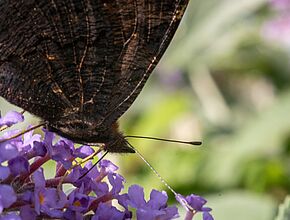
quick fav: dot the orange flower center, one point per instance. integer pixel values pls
(41, 198)
(77, 203)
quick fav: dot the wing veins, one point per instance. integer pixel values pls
(64, 97)
(148, 70)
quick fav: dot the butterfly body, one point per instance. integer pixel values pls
(79, 65)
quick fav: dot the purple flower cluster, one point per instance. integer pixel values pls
(278, 28)
(25, 193)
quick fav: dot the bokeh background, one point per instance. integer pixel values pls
(223, 80)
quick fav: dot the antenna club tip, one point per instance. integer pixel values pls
(196, 143)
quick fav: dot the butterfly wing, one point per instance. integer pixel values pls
(84, 58)
(56, 55)
(148, 28)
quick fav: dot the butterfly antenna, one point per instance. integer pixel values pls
(23, 132)
(196, 143)
(183, 201)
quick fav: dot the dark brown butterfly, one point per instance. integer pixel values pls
(80, 64)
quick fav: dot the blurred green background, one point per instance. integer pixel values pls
(220, 81)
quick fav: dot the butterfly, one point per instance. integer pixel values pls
(80, 64)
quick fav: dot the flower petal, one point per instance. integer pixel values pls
(11, 118)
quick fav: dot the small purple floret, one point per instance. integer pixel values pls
(194, 204)
(7, 196)
(83, 152)
(155, 208)
(11, 118)
(7, 151)
(18, 165)
(105, 211)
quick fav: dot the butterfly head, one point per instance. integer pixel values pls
(116, 141)
(111, 137)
